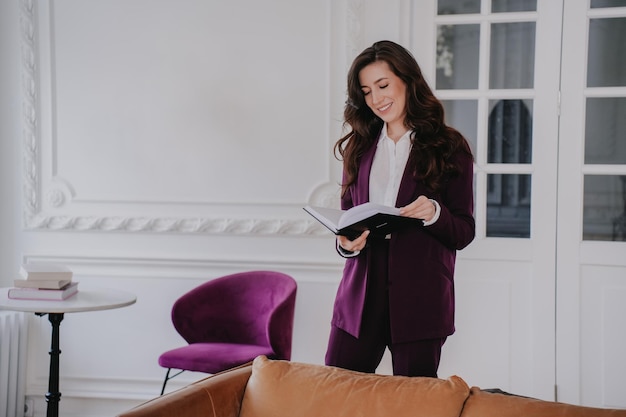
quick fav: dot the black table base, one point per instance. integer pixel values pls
(53, 396)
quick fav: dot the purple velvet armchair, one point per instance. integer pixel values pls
(231, 320)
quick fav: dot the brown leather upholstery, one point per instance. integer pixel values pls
(288, 389)
(285, 389)
(485, 404)
(219, 395)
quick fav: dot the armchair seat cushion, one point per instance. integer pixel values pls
(285, 389)
(212, 357)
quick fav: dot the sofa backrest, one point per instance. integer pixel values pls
(288, 389)
(218, 395)
(486, 404)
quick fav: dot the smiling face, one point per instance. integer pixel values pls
(385, 94)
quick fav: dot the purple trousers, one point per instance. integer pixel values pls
(416, 358)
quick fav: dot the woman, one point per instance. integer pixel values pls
(398, 291)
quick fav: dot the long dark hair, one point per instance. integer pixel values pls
(433, 141)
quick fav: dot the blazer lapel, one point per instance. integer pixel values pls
(362, 192)
(407, 192)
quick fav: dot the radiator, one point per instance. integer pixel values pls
(12, 363)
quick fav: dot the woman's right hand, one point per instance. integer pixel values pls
(353, 245)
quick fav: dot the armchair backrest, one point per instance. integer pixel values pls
(255, 307)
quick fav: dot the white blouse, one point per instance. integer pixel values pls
(388, 167)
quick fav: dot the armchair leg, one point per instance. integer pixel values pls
(168, 377)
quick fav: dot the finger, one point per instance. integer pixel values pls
(344, 242)
(421, 208)
(359, 242)
(411, 210)
(354, 245)
(427, 210)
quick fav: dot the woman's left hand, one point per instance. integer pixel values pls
(422, 208)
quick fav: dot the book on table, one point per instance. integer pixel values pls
(64, 293)
(45, 271)
(379, 219)
(44, 284)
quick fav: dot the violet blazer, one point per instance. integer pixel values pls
(421, 258)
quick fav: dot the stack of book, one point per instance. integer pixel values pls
(40, 281)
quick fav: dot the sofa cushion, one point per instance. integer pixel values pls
(485, 404)
(287, 389)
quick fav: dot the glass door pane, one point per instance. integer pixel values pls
(605, 207)
(512, 55)
(606, 62)
(457, 56)
(595, 4)
(458, 7)
(510, 131)
(504, 6)
(508, 205)
(463, 115)
(605, 130)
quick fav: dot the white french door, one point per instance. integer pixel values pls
(591, 237)
(493, 63)
(538, 87)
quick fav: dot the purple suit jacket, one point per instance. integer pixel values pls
(421, 260)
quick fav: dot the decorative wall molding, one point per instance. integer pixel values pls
(354, 30)
(31, 173)
(216, 226)
(49, 203)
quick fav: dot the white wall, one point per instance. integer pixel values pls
(10, 140)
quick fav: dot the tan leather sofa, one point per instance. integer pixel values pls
(268, 388)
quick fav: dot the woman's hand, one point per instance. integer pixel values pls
(353, 245)
(422, 208)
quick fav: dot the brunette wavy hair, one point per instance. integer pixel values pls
(433, 142)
